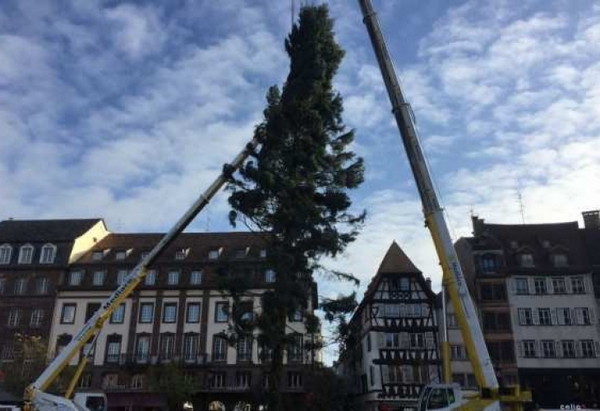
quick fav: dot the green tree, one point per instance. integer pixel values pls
(28, 362)
(295, 187)
(172, 381)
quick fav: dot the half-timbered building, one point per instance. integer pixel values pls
(393, 349)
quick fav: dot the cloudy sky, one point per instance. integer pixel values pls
(127, 110)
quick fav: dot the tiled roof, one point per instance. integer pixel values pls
(44, 230)
(396, 261)
(199, 244)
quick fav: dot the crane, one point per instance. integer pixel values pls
(36, 397)
(453, 279)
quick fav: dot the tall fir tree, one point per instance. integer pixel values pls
(295, 187)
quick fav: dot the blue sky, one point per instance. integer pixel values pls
(127, 110)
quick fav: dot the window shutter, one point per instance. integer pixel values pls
(553, 316)
(380, 339)
(558, 348)
(513, 281)
(517, 316)
(592, 316)
(537, 351)
(550, 286)
(530, 286)
(578, 316)
(536, 316)
(521, 347)
(597, 345)
(568, 287)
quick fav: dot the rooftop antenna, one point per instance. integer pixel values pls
(521, 206)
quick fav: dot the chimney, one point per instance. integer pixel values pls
(428, 282)
(478, 224)
(591, 219)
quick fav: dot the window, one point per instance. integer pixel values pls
(559, 260)
(98, 278)
(121, 274)
(20, 286)
(41, 285)
(263, 253)
(522, 286)
(146, 312)
(392, 340)
(190, 347)
(37, 316)
(5, 253)
(142, 349)
(14, 317)
(457, 353)
(75, 277)
(245, 311)
(219, 348)
(540, 286)
(196, 277)
(90, 310)
(167, 346)
(294, 349)
(496, 321)
(568, 348)
(97, 255)
(173, 278)
(68, 314)
(577, 285)
(170, 313)
(110, 381)
(221, 312)
(564, 316)
(118, 315)
(26, 254)
(270, 276)
(61, 342)
(113, 348)
(85, 381)
(241, 253)
(392, 373)
(525, 260)
(558, 286)
(544, 316)
(181, 253)
(525, 316)
(8, 352)
(294, 379)
(244, 348)
(2, 285)
(137, 381)
(193, 313)
(582, 315)
(548, 350)
(493, 292)
(452, 321)
(120, 255)
(242, 379)
(404, 284)
(529, 349)
(150, 277)
(417, 340)
(48, 254)
(587, 349)
(218, 379)
(214, 254)
(391, 310)
(488, 263)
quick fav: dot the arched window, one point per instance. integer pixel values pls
(5, 253)
(48, 254)
(26, 254)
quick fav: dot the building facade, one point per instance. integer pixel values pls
(34, 257)
(179, 315)
(533, 286)
(393, 352)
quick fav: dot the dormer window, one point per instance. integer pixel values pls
(270, 276)
(26, 254)
(5, 253)
(214, 254)
(559, 260)
(488, 263)
(182, 253)
(241, 252)
(263, 253)
(122, 254)
(97, 255)
(525, 260)
(48, 254)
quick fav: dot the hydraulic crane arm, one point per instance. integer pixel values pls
(34, 394)
(434, 217)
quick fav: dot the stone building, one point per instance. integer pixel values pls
(179, 315)
(533, 286)
(34, 257)
(393, 351)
